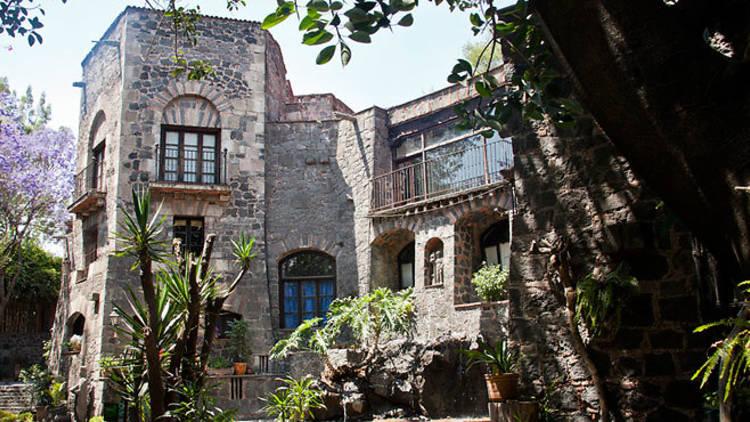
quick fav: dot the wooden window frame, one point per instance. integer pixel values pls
(187, 224)
(298, 280)
(182, 130)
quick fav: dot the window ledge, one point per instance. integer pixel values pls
(434, 286)
(196, 189)
(482, 305)
(88, 203)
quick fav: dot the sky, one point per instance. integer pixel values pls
(398, 66)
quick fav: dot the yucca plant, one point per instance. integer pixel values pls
(295, 400)
(498, 358)
(732, 354)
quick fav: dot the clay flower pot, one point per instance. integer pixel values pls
(501, 387)
(240, 368)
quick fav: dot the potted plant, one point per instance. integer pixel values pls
(489, 282)
(219, 365)
(502, 381)
(239, 344)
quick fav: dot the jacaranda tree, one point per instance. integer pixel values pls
(36, 179)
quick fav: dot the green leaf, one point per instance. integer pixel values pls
(306, 23)
(320, 5)
(482, 89)
(325, 54)
(407, 20)
(360, 36)
(336, 5)
(317, 37)
(282, 12)
(462, 66)
(476, 20)
(346, 54)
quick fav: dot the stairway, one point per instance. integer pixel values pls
(15, 397)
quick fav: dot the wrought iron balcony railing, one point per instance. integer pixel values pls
(444, 175)
(190, 165)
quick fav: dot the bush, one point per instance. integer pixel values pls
(12, 417)
(489, 282)
(239, 334)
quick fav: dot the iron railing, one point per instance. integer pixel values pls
(443, 175)
(88, 180)
(181, 165)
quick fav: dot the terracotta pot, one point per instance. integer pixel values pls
(501, 387)
(240, 368)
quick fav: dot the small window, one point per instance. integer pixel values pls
(496, 244)
(189, 155)
(78, 325)
(406, 266)
(190, 231)
(308, 286)
(90, 239)
(434, 262)
(97, 170)
(224, 323)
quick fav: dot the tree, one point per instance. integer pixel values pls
(36, 178)
(478, 53)
(164, 352)
(39, 279)
(32, 116)
(21, 17)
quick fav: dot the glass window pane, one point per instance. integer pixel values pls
(325, 303)
(191, 139)
(308, 288)
(407, 279)
(290, 305)
(209, 141)
(196, 223)
(409, 146)
(172, 138)
(290, 289)
(326, 288)
(505, 255)
(291, 320)
(308, 304)
(308, 316)
(491, 256)
(304, 264)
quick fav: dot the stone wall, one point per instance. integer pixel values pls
(19, 351)
(308, 205)
(574, 185)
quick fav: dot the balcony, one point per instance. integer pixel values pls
(192, 172)
(443, 176)
(88, 190)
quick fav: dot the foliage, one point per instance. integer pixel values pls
(41, 381)
(499, 359)
(239, 334)
(33, 116)
(36, 178)
(476, 54)
(219, 362)
(294, 401)
(161, 330)
(11, 417)
(197, 405)
(39, 278)
(548, 412)
(489, 282)
(601, 299)
(57, 393)
(731, 355)
(371, 319)
(97, 419)
(21, 17)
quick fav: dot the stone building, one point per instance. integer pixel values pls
(341, 203)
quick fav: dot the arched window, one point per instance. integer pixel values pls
(406, 266)
(308, 286)
(76, 328)
(433, 262)
(496, 244)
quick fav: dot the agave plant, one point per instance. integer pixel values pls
(499, 358)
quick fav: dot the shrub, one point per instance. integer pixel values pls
(294, 401)
(239, 334)
(489, 282)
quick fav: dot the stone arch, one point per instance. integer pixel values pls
(384, 252)
(294, 243)
(433, 262)
(307, 285)
(468, 230)
(96, 131)
(191, 110)
(201, 89)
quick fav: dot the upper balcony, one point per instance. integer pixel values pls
(451, 168)
(198, 170)
(88, 189)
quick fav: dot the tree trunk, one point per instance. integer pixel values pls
(675, 108)
(155, 381)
